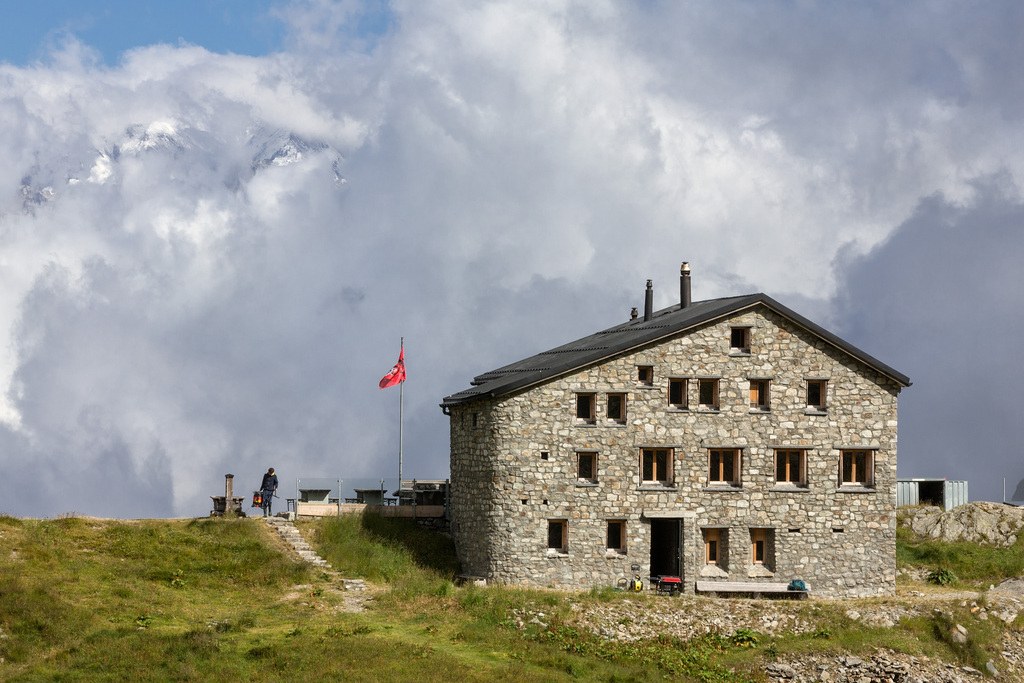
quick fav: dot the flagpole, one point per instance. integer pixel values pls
(401, 401)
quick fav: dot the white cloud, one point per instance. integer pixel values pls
(230, 247)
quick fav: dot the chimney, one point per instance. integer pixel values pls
(648, 302)
(633, 314)
(684, 285)
(228, 490)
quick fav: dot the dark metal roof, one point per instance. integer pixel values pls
(635, 334)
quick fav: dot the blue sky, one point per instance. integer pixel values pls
(207, 261)
(29, 29)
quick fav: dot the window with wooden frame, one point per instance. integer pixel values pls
(739, 340)
(816, 392)
(707, 394)
(711, 545)
(677, 393)
(558, 536)
(617, 535)
(586, 466)
(791, 467)
(759, 548)
(857, 468)
(616, 408)
(585, 408)
(656, 465)
(759, 395)
(724, 467)
(645, 375)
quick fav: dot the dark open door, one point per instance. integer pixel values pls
(666, 537)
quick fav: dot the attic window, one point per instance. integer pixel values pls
(677, 393)
(739, 340)
(585, 408)
(816, 392)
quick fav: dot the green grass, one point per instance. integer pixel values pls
(85, 600)
(974, 565)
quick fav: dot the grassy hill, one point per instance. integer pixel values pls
(205, 599)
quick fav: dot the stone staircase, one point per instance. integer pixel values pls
(293, 537)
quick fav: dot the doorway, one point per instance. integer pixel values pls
(666, 543)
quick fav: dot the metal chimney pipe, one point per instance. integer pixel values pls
(684, 285)
(633, 315)
(649, 302)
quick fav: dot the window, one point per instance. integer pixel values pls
(474, 419)
(790, 467)
(617, 408)
(857, 468)
(739, 340)
(656, 465)
(724, 466)
(761, 547)
(677, 393)
(645, 375)
(617, 535)
(586, 466)
(557, 532)
(711, 545)
(708, 394)
(759, 394)
(585, 408)
(816, 394)
(544, 455)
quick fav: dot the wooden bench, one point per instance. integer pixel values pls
(755, 589)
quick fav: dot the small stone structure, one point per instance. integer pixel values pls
(721, 440)
(229, 501)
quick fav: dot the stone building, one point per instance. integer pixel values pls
(722, 440)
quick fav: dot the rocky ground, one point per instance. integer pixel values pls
(691, 616)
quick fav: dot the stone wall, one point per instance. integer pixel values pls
(839, 539)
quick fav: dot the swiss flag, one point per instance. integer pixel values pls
(397, 373)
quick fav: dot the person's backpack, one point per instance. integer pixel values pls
(257, 499)
(797, 585)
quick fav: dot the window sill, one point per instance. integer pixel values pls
(719, 488)
(678, 409)
(586, 484)
(557, 553)
(739, 352)
(790, 488)
(759, 571)
(656, 487)
(848, 488)
(581, 423)
(619, 424)
(707, 409)
(646, 386)
(814, 411)
(760, 411)
(614, 552)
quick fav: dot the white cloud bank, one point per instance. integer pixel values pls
(206, 261)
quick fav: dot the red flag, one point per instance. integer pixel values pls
(397, 373)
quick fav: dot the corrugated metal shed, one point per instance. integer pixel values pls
(940, 492)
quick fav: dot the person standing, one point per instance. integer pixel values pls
(267, 490)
